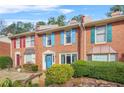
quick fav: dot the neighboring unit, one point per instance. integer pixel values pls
(5, 46)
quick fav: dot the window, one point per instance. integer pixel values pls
(63, 59)
(18, 43)
(30, 58)
(113, 57)
(48, 40)
(32, 41)
(29, 41)
(68, 37)
(100, 34)
(74, 57)
(102, 57)
(68, 58)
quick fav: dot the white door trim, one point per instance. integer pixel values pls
(43, 58)
(17, 53)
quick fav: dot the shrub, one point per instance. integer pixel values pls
(111, 71)
(5, 62)
(18, 83)
(58, 74)
(6, 83)
(30, 67)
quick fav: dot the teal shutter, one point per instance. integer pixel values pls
(62, 37)
(44, 40)
(73, 38)
(53, 39)
(92, 35)
(109, 32)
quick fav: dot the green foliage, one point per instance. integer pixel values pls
(18, 83)
(58, 74)
(6, 83)
(18, 27)
(60, 20)
(110, 71)
(41, 23)
(5, 62)
(30, 67)
(115, 8)
(77, 18)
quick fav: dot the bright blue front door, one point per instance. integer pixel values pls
(48, 59)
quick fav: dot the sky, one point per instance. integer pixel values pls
(34, 13)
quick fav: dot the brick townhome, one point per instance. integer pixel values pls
(4, 46)
(100, 40)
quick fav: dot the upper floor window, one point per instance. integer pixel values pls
(30, 41)
(68, 37)
(100, 34)
(48, 40)
(18, 43)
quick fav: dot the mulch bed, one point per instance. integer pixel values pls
(88, 82)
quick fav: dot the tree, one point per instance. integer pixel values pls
(77, 18)
(41, 23)
(52, 21)
(18, 27)
(115, 8)
(2, 25)
(61, 20)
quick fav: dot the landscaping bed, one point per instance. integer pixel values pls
(87, 82)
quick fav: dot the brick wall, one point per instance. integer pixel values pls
(117, 39)
(4, 49)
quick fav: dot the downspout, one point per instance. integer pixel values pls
(83, 29)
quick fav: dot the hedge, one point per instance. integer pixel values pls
(110, 71)
(58, 74)
(30, 67)
(5, 62)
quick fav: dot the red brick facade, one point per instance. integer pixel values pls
(4, 49)
(81, 47)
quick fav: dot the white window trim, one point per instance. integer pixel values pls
(65, 38)
(108, 55)
(105, 38)
(29, 37)
(43, 58)
(66, 55)
(17, 53)
(32, 61)
(16, 43)
(47, 42)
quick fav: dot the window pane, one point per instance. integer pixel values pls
(18, 43)
(100, 34)
(49, 40)
(62, 59)
(100, 38)
(100, 30)
(100, 58)
(112, 57)
(32, 40)
(74, 57)
(68, 59)
(68, 37)
(30, 58)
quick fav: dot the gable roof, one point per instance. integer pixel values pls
(104, 21)
(87, 24)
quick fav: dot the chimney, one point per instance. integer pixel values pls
(72, 22)
(116, 13)
(86, 19)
